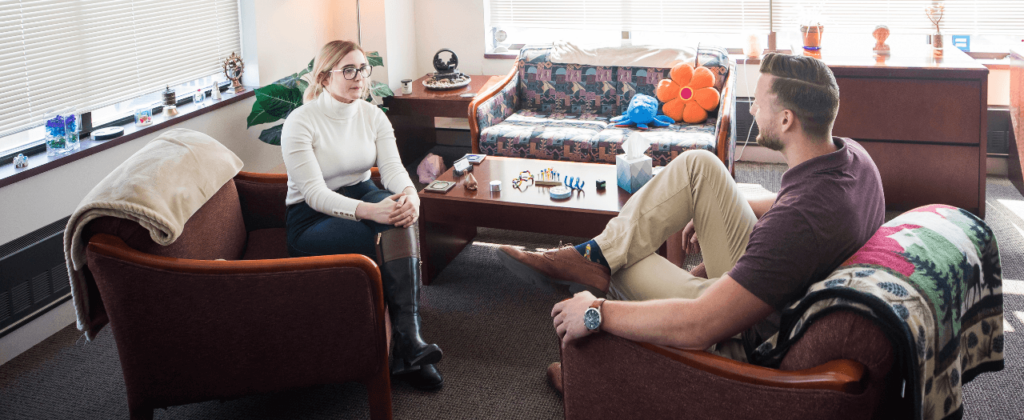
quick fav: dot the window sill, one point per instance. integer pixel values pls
(40, 163)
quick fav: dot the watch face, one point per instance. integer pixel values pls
(592, 319)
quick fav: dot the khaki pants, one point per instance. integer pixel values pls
(694, 186)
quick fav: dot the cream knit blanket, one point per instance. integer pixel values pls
(629, 56)
(159, 187)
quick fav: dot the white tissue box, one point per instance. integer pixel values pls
(632, 173)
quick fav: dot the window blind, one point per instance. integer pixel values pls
(57, 55)
(969, 17)
(723, 16)
(961, 17)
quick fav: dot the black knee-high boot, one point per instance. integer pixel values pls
(399, 260)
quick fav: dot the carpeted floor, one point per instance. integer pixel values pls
(497, 338)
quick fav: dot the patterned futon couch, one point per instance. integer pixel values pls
(558, 111)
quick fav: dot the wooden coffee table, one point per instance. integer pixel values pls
(448, 221)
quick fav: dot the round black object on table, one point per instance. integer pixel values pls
(107, 133)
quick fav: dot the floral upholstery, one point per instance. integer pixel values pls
(498, 107)
(666, 143)
(716, 59)
(560, 111)
(571, 89)
(634, 80)
(528, 134)
(588, 138)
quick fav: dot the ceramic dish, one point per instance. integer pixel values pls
(444, 84)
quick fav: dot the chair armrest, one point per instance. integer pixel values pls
(837, 375)
(604, 374)
(726, 130)
(375, 177)
(485, 100)
(262, 199)
(244, 326)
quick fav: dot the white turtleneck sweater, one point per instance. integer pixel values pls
(328, 144)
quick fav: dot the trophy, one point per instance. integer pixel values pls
(233, 69)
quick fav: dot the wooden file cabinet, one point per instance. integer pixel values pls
(923, 120)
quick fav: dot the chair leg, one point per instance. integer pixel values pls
(379, 388)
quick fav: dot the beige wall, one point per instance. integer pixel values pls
(289, 33)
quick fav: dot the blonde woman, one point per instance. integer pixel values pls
(329, 145)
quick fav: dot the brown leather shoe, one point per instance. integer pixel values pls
(555, 376)
(564, 264)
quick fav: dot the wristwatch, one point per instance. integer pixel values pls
(592, 317)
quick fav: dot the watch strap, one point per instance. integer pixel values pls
(597, 304)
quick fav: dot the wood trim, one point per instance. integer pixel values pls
(40, 163)
(846, 376)
(114, 247)
(262, 178)
(474, 129)
(726, 107)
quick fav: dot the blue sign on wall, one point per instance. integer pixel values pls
(962, 42)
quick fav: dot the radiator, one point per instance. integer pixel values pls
(33, 276)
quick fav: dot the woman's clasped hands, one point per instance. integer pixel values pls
(400, 210)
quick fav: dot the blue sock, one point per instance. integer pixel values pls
(591, 251)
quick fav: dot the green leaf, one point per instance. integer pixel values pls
(258, 116)
(272, 135)
(383, 108)
(381, 90)
(309, 68)
(303, 85)
(290, 81)
(374, 59)
(278, 100)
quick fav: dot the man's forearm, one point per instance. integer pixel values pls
(668, 322)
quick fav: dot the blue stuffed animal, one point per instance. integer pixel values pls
(642, 111)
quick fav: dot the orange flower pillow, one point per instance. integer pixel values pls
(689, 94)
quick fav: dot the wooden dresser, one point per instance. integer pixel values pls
(923, 120)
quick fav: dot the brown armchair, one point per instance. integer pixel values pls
(191, 328)
(841, 369)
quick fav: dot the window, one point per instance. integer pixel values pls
(600, 22)
(58, 55)
(682, 22)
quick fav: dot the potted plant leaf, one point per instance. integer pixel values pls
(277, 100)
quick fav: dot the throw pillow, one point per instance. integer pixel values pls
(688, 94)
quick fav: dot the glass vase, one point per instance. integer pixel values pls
(55, 128)
(72, 125)
(56, 145)
(937, 45)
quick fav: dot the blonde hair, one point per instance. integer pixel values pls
(329, 57)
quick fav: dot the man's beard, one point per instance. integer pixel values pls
(768, 139)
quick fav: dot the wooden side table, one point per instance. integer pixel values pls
(412, 115)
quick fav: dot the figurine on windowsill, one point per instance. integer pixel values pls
(233, 69)
(21, 161)
(881, 33)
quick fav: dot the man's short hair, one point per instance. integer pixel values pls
(806, 86)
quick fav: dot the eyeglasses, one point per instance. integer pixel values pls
(350, 72)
